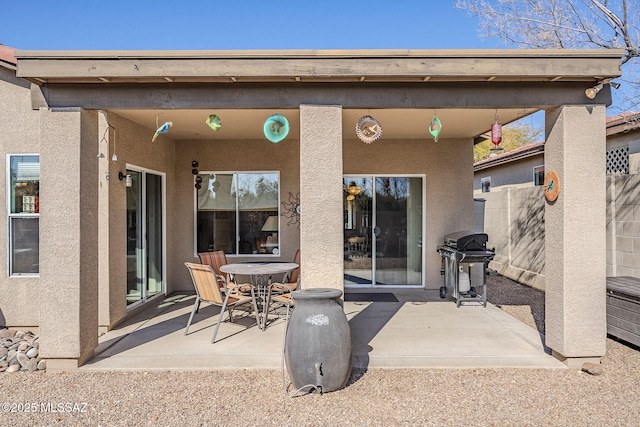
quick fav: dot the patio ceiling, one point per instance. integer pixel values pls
(396, 123)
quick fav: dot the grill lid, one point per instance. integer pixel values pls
(467, 240)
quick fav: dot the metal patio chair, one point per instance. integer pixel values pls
(208, 290)
(291, 280)
(217, 259)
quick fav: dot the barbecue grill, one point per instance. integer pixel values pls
(465, 259)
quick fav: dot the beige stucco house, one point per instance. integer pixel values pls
(118, 214)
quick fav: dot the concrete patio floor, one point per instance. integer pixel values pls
(419, 331)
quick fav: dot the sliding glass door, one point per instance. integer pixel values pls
(145, 236)
(383, 229)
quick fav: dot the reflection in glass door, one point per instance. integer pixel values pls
(145, 236)
(358, 228)
(383, 228)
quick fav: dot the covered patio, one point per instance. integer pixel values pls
(419, 331)
(94, 102)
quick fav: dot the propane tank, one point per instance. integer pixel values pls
(464, 283)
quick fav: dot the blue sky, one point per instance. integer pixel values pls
(238, 24)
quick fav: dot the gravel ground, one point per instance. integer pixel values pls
(377, 397)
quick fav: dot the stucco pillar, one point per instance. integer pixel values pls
(575, 244)
(68, 237)
(321, 236)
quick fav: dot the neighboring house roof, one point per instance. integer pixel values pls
(7, 58)
(623, 123)
(525, 151)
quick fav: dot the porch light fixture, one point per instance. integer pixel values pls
(593, 91)
(127, 179)
(368, 129)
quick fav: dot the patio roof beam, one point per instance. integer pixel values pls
(350, 95)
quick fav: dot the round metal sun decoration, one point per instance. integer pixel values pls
(368, 129)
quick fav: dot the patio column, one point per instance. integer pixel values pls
(575, 245)
(321, 237)
(68, 237)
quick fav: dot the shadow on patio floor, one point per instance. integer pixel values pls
(419, 331)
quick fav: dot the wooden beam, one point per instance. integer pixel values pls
(349, 95)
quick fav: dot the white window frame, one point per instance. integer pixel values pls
(237, 231)
(535, 172)
(11, 215)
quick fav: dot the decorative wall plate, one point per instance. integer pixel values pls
(276, 128)
(368, 129)
(551, 186)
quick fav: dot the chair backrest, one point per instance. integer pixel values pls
(204, 280)
(215, 259)
(293, 278)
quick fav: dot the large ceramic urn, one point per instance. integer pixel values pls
(318, 341)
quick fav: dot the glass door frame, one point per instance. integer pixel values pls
(163, 181)
(372, 224)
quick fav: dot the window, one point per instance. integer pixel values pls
(23, 190)
(238, 213)
(538, 175)
(486, 184)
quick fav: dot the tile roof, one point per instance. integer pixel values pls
(622, 123)
(7, 56)
(526, 150)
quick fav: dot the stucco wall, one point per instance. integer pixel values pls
(133, 147)
(512, 173)
(19, 134)
(514, 221)
(449, 178)
(219, 155)
(449, 195)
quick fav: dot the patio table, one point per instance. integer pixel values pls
(260, 273)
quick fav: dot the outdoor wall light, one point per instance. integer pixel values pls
(593, 91)
(127, 179)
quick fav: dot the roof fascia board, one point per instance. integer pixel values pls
(532, 64)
